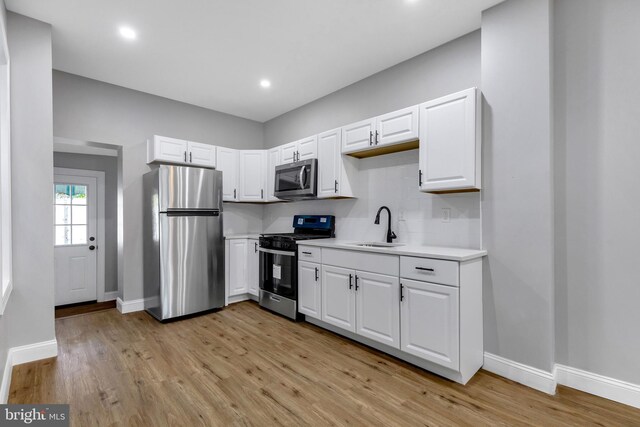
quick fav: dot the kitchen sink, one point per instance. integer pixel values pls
(376, 244)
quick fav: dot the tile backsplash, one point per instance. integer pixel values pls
(391, 180)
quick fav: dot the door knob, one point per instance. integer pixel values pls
(91, 239)
(91, 247)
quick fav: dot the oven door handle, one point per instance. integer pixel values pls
(275, 252)
(302, 180)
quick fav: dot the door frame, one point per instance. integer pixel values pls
(100, 209)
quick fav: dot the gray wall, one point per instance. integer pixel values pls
(108, 165)
(517, 198)
(89, 110)
(597, 64)
(392, 179)
(28, 316)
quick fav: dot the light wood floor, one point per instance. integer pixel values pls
(245, 366)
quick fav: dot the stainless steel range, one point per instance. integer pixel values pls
(279, 262)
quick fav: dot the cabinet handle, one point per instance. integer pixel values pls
(419, 178)
(234, 194)
(262, 194)
(425, 269)
(357, 282)
(255, 247)
(185, 156)
(190, 157)
(317, 276)
(377, 139)
(370, 138)
(306, 253)
(401, 295)
(350, 281)
(336, 186)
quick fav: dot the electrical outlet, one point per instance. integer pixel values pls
(446, 214)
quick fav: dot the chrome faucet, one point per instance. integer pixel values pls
(390, 234)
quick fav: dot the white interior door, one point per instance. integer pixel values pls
(74, 227)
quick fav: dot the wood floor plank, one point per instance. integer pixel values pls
(243, 366)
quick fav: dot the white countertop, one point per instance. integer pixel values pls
(439, 252)
(242, 236)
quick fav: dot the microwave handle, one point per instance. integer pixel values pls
(302, 178)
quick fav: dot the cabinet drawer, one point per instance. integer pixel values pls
(308, 253)
(429, 270)
(362, 261)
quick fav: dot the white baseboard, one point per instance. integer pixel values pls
(125, 307)
(531, 377)
(24, 354)
(238, 298)
(609, 388)
(110, 296)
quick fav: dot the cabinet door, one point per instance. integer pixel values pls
(338, 297)
(237, 267)
(202, 154)
(358, 136)
(252, 175)
(329, 163)
(288, 152)
(308, 148)
(397, 127)
(448, 156)
(273, 160)
(253, 266)
(227, 162)
(309, 289)
(378, 307)
(429, 322)
(165, 149)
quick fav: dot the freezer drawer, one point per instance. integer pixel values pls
(191, 270)
(182, 187)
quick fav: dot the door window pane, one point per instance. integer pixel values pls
(63, 235)
(78, 234)
(79, 194)
(63, 214)
(62, 194)
(79, 215)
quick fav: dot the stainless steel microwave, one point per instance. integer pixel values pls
(297, 181)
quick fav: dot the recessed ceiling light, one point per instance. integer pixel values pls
(265, 83)
(128, 33)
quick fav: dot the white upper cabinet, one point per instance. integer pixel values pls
(253, 165)
(309, 289)
(335, 173)
(303, 149)
(228, 162)
(397, 127)
(307, 148)
(378, 307)
(450, 143)
(201, 154)
(430, 323)
(163, 149)
(273, 160)
(358, 136)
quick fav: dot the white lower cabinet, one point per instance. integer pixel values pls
(338, 297)
(253, 267)
(378, 308)
(238, 267)
(309, 289)
(430, 322)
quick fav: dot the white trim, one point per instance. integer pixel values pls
(5, 385)
(239, 298)
(100, 210)
(125, 307)
(531, 377)
(4, 296)
(110, 296)
(24, 354)
(599, 385)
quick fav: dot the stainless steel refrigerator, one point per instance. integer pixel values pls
(183, 241)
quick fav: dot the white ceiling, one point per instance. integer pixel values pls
(213, 53)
